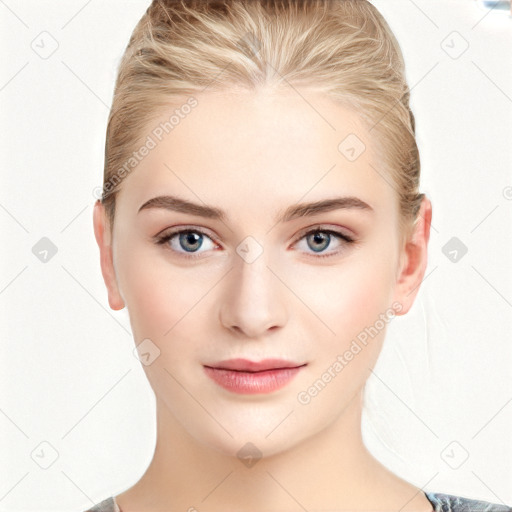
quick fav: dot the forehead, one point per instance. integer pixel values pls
(255, 147)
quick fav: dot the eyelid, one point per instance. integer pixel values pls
(325, 227)
(174, 230)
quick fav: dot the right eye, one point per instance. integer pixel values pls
(186, 242)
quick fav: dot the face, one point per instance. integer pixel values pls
(315, 288)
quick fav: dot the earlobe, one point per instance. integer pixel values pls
(414, 259)
(103, 239)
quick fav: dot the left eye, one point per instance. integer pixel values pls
(191, 240)
(319, 239)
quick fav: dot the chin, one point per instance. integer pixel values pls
(258, 433)
(250, 445)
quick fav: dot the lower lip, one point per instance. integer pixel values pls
(251, 383)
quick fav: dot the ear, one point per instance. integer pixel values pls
(413, 259)
(103, 239)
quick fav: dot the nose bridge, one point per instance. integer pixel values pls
(253, 274)
(253, 301)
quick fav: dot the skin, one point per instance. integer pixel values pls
(253, 154)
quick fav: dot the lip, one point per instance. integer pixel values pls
(253, 377)
(246, 365)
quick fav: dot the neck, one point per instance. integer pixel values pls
(331, 470)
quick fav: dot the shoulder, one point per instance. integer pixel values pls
(451, 503)
(107, 505)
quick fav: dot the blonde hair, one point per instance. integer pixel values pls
(344, 48)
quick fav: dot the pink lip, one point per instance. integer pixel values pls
(251, 377)
(245, 365)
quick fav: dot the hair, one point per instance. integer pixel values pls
(343, 48)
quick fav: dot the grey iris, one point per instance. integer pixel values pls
(191, 237)
(319, 237)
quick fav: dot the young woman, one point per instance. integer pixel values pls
(260, 213)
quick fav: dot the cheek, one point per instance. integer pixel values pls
(348, 296)
(161, 297)
(352, 301)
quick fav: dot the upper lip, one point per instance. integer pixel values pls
(245, 365)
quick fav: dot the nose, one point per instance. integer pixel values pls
(253, 299)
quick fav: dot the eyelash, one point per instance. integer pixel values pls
(162, 239)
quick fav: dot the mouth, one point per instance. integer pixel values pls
(250, 377)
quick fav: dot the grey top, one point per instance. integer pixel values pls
(450, 503)
(108, 505)
(440, 503)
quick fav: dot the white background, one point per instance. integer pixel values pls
(71, 388)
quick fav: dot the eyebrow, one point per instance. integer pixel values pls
(177, 204)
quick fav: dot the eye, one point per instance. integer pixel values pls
(186, 242)
(318, 239)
